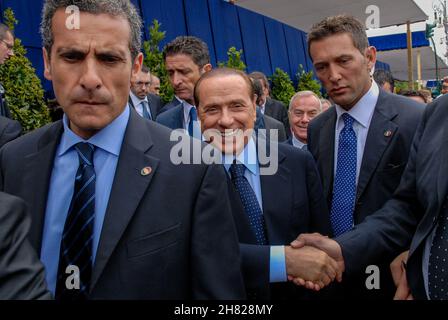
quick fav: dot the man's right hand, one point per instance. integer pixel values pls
(311, 264)
(329, 246)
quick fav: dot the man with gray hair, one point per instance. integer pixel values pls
(100, 183)
(303, 107)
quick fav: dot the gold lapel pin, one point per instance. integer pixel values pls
(387, 133)
(146, 171)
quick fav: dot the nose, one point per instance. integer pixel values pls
(226, 119)
(90, 79)
(305, 118)
(334, 74)
(176, 79)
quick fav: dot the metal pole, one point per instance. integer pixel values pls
(436, 62)
(410, 68)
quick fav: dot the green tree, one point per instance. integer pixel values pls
(306, 82)
(24, 93)
(154, 60)
(234, 60)
(282, 86)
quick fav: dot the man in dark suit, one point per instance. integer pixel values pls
(145, 103)
(9, 130)
(361, 145)
(100, 183)
(271, 107)
(186, 59)
(6, 51)
(22, 276)
(286, 191)
(416, 217)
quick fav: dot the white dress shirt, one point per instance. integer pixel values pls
(362, 112)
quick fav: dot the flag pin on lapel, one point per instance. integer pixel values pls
(387, 133)
(146, 171)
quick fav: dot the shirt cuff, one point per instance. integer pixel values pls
(277, 270)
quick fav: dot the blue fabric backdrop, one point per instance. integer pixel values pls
(267, 44)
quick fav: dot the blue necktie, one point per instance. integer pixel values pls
(344, 189)
(250, 202)
(77, 237)
(193, 119)
(438, 261)
(146, 114)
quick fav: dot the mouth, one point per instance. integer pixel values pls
(230, 133)
(89, 103)
(339, 90)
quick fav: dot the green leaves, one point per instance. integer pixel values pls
(154, 60)
(24, 93)
(234, 60)
(282, 86)
(305, 81)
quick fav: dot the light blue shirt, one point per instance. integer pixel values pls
(362, 112)
(425, 260)
(108, 144)
(248, 157)
(297, 143)
(196, 124)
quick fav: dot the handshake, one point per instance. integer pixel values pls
(314, 261)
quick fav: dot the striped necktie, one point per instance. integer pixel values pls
(77, 237)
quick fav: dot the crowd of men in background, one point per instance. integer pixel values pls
(105, 197)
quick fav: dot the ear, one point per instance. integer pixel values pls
(137, 65)
(370, 55)
(47, 68)
(208, 67)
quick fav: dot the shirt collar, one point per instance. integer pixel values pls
(136, 100)
(187, 108)
(248, 157)
(109, 138)
(296, 142)
(363, 110)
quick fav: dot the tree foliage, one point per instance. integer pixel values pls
(24, 93)
(234, 60)
(306, 82)
(154, 60)
(282, 86)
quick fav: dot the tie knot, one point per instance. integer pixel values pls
(85, 153)
(237, 170)
(348, 120)
(193, 114)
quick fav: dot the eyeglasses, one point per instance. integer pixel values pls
(140, 83)
(9, 46)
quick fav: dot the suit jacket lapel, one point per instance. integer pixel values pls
(326, 152)
(152, 107)
(442, 182)
(37, 176)
(269, 191)
(128, 189)
(376, 141)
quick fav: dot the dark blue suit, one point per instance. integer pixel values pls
(293, 203)
(394, 122)
(151, 247)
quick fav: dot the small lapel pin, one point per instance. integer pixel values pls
(387, 133)
(146, 171)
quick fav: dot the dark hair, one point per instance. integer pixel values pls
(190, 46)
(122, 8)
(3, 30)
(382, 76)
(260, 76)
(145, 69)
(222, 72)
(258, 89)
(413, 93)
(338, 25)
